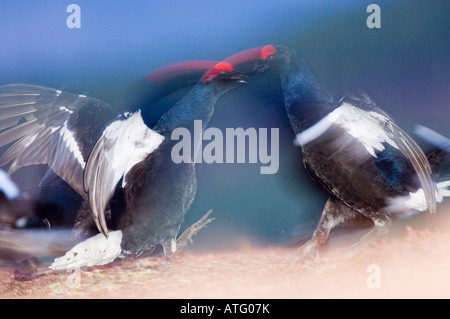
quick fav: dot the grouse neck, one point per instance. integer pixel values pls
(306, 100)
(198, 104)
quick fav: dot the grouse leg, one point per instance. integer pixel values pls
(176, 246)
(334, 213)
(382, 224)
(169, 246)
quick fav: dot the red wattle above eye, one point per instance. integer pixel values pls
(267, 51)
(219, 68)
(223, 66)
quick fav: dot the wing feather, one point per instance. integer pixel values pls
(123, 144)
(418, 159)
(41, 124)
(405, 144)
(44, 126)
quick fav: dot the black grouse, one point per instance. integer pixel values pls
(361, 157)
(56, 203)
(99, 153)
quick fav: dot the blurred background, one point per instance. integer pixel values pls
(404, 66)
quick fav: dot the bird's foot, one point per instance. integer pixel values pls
(374, 237)
(363, 245)
(186, 237)
(94, 251)
(175, 246)
(306, 254)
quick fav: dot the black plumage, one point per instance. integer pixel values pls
(112, 156)
(352, 148)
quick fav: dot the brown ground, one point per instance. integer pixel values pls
(414, 264)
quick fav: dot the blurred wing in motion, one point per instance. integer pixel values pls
(7, 186)
(432, 137)
(173, 79)
(124, 143)
(21, 244)
(48, 126)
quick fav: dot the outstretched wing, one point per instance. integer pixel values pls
(80, 138)
(400, 140)
(46, 126)
(124, 143)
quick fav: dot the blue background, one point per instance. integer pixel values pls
(404, 67)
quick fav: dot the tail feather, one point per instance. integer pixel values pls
(433, 138)
(439, 158)
(440, 164)
(443, 189)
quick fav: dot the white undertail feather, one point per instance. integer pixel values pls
(416, 201)
(444, 190)
(94, 251)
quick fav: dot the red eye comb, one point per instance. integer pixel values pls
(267, 50)
(223, 66)
(216, 70)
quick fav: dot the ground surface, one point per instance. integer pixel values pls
(413, 264)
